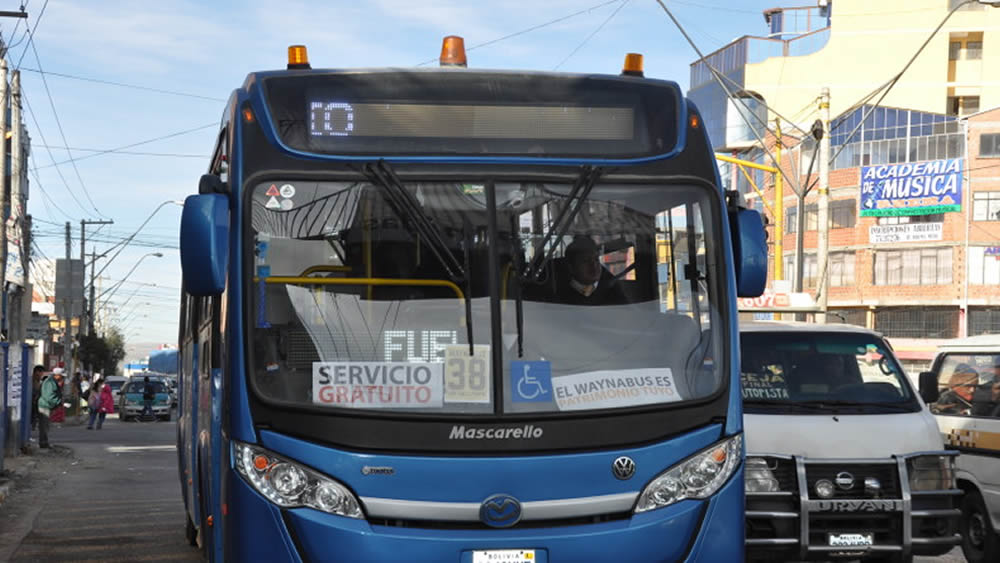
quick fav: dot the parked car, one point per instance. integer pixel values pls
(131, 403)
(842, 454)
(966, 377)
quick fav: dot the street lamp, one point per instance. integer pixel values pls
(124, 243)
(115, 287)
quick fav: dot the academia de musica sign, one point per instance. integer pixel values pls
(911, 188)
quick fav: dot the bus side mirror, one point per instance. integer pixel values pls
(928, 384)
(205, 244)
(749, 251)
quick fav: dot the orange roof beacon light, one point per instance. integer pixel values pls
(453, 52)
(298, 58)
(633, 65)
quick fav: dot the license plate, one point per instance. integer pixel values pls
(504, 556)
(851, 540)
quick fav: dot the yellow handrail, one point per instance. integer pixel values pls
(303, 280)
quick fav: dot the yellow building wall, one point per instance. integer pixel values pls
(869, 43)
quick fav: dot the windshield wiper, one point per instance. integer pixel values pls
(579, 192)
(828, 405)
(408, 209)
(518, 298)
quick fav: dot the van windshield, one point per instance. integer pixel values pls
(816, 371)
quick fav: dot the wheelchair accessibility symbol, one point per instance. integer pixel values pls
(531, 382)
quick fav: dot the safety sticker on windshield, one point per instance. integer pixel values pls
(378, 385)
(467, 377)
(613, 389)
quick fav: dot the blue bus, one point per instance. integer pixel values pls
(460, 315)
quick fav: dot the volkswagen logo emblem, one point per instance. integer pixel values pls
(844, 480)
(623, 468)
(500, 511)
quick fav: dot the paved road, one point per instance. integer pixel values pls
(116, 499)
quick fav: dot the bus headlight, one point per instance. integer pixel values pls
(697, 477)
(289, 485)
(930, 473)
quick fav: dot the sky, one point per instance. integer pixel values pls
(154, 77)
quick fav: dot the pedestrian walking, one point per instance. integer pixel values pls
(49, 399)
(106, 404)
(94, 402)
(36, 391)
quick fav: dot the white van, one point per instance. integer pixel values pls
(967, 373)
(844, 460)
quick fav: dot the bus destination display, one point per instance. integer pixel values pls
(347, 119)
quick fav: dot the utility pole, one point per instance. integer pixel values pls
(87, 313)
(823, 246)
(15, 309)
(4, 93)
(90, 301)
(67, 305)
(779, 207)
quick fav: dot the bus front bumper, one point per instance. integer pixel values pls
(709, 530)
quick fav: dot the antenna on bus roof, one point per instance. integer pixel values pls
(298, 58)
(453, 52)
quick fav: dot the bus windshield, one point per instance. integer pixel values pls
(820, 370)
(385, 295)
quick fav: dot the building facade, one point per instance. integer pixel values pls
(914, 234)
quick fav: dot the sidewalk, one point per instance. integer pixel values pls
(17, 468)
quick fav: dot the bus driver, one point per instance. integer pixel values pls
(589, 282)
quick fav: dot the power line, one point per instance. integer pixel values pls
(34, 119)
(124, 85)
(892, 82)
(589, 37)
(117, 149)
(729, 94)
(62, 133)
(530, 29)
(31, 34)
(112, 151)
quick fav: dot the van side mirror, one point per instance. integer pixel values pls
(205, 244)
(749, 251)
(929, 387)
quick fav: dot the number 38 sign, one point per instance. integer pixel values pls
(467, 378)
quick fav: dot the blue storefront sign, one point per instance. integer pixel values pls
(911, 188)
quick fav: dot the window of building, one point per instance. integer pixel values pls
(989, 144)
(984, 321)
(973, 50)
(932, 218)
(962, 105)
(857, 317)
(986, 206)
(843, 215)
(809, 270)
(923, 266)
(954, 50)
(917, 322)
(841, 269)
(984, 265)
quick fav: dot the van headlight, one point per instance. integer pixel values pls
(290, 485)
(697, 477)
(759, 477)
(931, 472)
